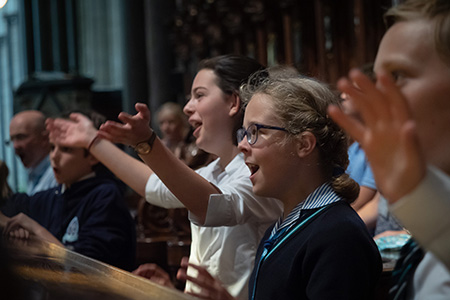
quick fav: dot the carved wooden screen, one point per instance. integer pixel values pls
(321, 38)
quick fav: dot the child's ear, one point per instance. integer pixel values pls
(306, 143)
(235, 104)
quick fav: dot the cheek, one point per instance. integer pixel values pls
(270, 163)
(212, 116)
(29, 144)
(427, 101)
(430, 110)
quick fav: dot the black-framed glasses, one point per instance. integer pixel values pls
(252, 132)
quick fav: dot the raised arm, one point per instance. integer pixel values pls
(80, 132)
(189, 187)
(386, 132)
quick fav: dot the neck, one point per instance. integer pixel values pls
(300, 191)
(227, 155)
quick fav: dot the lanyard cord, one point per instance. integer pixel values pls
(266, 253)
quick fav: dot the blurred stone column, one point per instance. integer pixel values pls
(163, 83)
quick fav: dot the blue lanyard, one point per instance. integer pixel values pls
(266, 253)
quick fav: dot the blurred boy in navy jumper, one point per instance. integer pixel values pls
(85, 213)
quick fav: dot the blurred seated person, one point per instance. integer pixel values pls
(173, 125)
(30, 141)
(177, 136)
(85, 213)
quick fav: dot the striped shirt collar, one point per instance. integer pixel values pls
(321, 196)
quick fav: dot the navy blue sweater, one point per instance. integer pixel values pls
(332, 257)
(90, 218)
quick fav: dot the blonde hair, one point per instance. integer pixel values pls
(437, 11)
(174, 109)
(301, 105)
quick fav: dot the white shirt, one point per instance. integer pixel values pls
(235, 223)
(431, 280)
(426, 213)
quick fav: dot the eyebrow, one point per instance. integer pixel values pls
(198, 88)
(395, 61)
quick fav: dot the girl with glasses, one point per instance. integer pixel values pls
(228, 220)
(319, 248)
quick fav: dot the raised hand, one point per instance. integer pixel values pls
(386, 131)
(210, 287)
(76, 132)
(133, 129)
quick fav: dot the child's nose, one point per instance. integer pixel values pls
(244, 146)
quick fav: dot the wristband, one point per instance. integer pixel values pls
(92, 143)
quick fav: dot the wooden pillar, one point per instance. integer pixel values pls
(261, 44)
(287, 35)
(360, 32)
(320, 39)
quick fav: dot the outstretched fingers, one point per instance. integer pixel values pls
(115, 132)
(143, 110)
(363, 96)
(394, 99)
(133, 129)
(352, 125)
(385, 129)
(76, 132)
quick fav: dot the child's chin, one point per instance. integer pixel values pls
(258, 192)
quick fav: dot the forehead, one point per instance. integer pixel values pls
(22, 126)
(260, 110)
(167, 115)
(69, 151)
(204, 78)
(408, 43)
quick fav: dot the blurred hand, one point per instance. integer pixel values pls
(385, 131)
(20, 226)
(210, 287)
(76, 132)
(154, 273)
